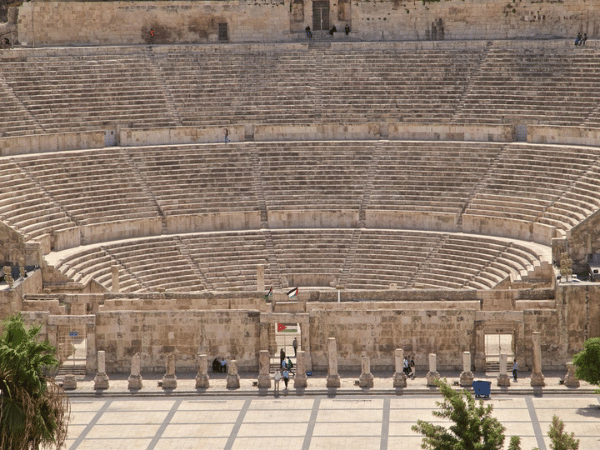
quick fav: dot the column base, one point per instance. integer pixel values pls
(69, 382)
(264, 381)
(233, 381)
(202, 381)
(466, 379)
(503, 380)
(400, 380)
(300, 381)
(134, 382)
(432, 377)
(537, 379)
(101, 381)
(571, 381)
(169, 382)
(366, 380)
(333, 381)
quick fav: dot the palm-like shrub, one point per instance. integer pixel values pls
(34, 410)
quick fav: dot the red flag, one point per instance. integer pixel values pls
(281, 327)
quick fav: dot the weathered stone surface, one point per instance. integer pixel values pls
(202, 380)
(399, 375)
(169, 380)
(433, 375)
(301, 380)
(570, 379)
(233, 378)
(333, 378)
(366, 377)
(264, 378)
(503, 378)
(466, 376)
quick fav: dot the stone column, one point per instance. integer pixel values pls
(537, 379)
(366, 377)
(432, 375)
(115, 278)
(305, 345)
(333, 378)
(260, 278)
(399, 375)
(135, 379)
(466, 376)
(169, 380)
(101, 379)
(570, 378)
(91, 362)
(503, 378)
(301, 380)
(233, 378)
(202, 376)
(264, 379)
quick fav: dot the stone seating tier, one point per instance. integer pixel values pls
(52, 192)
(98, 88)
(316, 257)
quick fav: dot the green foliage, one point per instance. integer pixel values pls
(33, 409)
(515, 443)
(559, 439)
(588, 362)
(474, 427)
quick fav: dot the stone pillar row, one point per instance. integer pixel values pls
(169, 380)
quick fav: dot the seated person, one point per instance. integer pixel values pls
(216, 365)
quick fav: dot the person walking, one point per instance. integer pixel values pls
(227, 135)
(515, 369)
(281, 355)
(295, 345)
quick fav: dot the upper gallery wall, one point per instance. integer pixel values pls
(108, 23)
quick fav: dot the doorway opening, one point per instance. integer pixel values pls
(496, 344)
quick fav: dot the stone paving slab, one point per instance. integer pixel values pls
(329, 422)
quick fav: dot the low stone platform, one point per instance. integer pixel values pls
(382, 385)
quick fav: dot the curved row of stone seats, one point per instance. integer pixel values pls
(557, 86)
(87, 90)
(424, 85)
(198, 179)
(395, 184)
(430, 176)
(537, 183)
(25, 205)
(100, 88)
(152, 264)
(92, 187)
(316, 175)
(270, 85)
(359, 259)
(228, 260)
(311, 257)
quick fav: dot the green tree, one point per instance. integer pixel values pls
(474, 427)
(34, 410)
(559, 439)
(588, 362)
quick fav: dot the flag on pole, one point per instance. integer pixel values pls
(281, 327)
(293, 292)
(268, 294)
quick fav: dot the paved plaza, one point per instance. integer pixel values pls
(315, 418)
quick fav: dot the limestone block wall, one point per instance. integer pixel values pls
(551, 328)
(583, 240)
(38, 143)
(548, 134)
(376, 333)
(230, 334)
(56, 23)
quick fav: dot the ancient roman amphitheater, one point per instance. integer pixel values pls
(417, 179)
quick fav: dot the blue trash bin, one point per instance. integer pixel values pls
(482, 388)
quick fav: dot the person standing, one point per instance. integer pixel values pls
(286, 378)
(281, 355)
(295, 345)
(227, 135)
(413, 367)
(406, 367)
(276, 379)
(515, 369)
